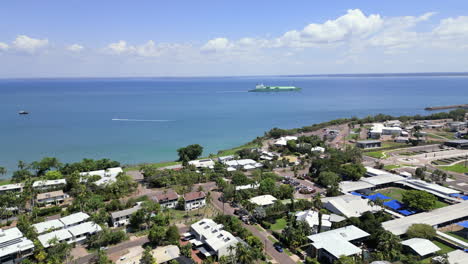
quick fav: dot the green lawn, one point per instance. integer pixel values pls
(374, 154)
(234, 150)
(459, 167)
(391, 167)
(394, 193)
(280, 224)
(5, 182)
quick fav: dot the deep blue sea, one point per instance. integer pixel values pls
(146, 120)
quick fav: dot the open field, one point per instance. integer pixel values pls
(375, 154)
(459, 167)
(397, 194)
(280, 224)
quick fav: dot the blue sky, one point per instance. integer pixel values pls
(192, 38)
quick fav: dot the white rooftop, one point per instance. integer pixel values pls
(377, 128)
(84, 228)
(349, 205)
(107, 176)
(283, 141)
(312, 218)
(206, 228)
(318, 149)
(421, 246)
(432, 187)
(337, 241)
(374, 172)
(204, 163)
(263, 200)
(13, 242)
(48, 225)
(221, 240)
(12, 186)
(59, 234)
(74, 218)
(457, 257)
(433, 218)
(383, 179)
(248, 186)
(164, 254)
(349, 186)
(49, 183)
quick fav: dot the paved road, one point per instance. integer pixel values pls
(282, 258)
(114, 249)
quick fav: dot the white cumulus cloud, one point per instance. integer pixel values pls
(148, 49)
(75, 48)
(452, 27)
(28, 44)
(217, 44)
(3, 46)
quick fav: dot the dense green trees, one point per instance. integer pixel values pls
(147, 257)
(419, 200)
(421, 231)
(106, 237)
(189, 152)
(88, 165)
(353, 172)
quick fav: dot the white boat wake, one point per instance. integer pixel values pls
(141, 120)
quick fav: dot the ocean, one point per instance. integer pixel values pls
(135, 120)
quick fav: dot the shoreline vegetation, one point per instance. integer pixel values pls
(457, 114)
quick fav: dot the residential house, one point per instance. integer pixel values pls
(263, 200)
(456, 126)
(331, 245)
(61, 223)
(194, 200)
(49, 185)
(204, 163)
(376, 130)
(348, 205)
(394, 131)
(122, 218)
(421, 247)
(312, 219)
(108, 176)
(167, 199)
(225, 158)
(51, 198)
(82, 231)
(74, 219)
(164, 254)
(210, 238)
(14, 247)
(283, 141)
(15, 187)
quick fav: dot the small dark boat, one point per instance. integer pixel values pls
(22, 112)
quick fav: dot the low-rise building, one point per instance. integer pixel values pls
(164, 254)
(371, 172)
(283, 141)
(456, 126)
(61, 235)
(74, 219)
(367, 144)
(394, 131)
(61, 223)
(460, 143)
(376, 130)
(421, 247)
(167, 199)
(194, 200)
(211, 239)
(331, 245)
(122, 218)
(318, 149)
(348, 205)
(263, 200)
(82, 231)
(15, 187)
(51, 198)
(225, 158)
(14, 247)
(312, 219)
(401, 140)
(49, 184)
(108, 176)
(204, 163)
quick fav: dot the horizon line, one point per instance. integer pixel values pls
(383, 74)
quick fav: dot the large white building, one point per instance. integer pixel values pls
(108, 176)
(211, 239)
(15, 187)
(204, 163)
(14, 247)
(263, 200)
(331, 245)
(64, 222)
(49, 184)
(283, 141)
(349, 205)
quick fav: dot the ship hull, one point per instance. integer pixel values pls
(274, 89)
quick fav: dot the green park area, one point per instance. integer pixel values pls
(375, 154)
(280, 224)
(461, 167)
(397, 194)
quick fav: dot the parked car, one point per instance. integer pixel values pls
(278, 247)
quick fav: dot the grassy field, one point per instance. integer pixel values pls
(459, 167)
(179, 216)
(234, 150)
(374, 154)
(397, 194)
(280, 224)
(5, 182)
(391, 167)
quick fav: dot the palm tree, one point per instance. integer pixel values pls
(231, 249)
(3, 171)
(22, 165)
(317, 203)
(244, 255)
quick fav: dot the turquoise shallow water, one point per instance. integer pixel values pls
(73, 118)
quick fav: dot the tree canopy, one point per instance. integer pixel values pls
(190, 152)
